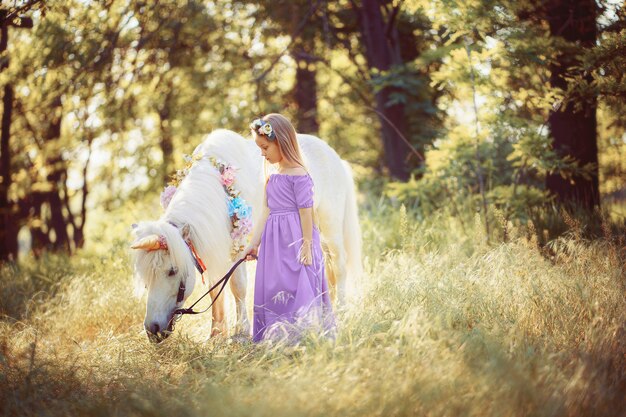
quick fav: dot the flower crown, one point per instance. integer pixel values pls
(262, 127)
(239, 211)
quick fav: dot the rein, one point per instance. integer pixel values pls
(178, 313)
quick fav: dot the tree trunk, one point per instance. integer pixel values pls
(167, 141)
(8, 228)
(58, 222)
(79, 235)
(305, 93)
(381, 55)
(574, 128)
(56, 178)
(40, 240)
(8, 231)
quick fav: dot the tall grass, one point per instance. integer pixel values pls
(444, 324)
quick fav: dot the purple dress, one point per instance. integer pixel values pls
(289, 298)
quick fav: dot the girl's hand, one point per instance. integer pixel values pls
(305, 254)
(250, 253)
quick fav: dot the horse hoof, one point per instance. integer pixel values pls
(218, 332)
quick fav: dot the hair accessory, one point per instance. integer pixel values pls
(264, 128)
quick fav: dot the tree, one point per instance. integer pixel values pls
(381, 50)
(300, 21)
(59, 71)
(384, 41)
(172, 44)
(304, 93)
(8, 228)
(573, 125)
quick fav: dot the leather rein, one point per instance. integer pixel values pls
(179, 312)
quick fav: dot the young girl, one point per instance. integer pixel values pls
(290, 291)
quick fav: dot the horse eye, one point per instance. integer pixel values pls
(173, 271)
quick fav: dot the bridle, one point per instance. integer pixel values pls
(179, 312)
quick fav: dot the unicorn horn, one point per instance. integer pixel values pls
(149, 243)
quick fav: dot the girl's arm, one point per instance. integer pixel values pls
(258, 228)
(306, 220)
(253, 247)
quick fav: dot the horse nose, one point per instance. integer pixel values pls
(154, 328)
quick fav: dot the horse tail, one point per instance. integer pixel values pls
(352, 233)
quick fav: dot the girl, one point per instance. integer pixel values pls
(290, 291)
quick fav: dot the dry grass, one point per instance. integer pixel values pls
(445, 325)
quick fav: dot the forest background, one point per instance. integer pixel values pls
(487, 140)
(470, 106)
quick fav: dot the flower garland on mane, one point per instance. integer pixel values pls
(239, 211)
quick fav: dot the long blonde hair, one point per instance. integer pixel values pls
(287, 144)
(285, 139)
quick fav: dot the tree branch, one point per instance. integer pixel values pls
(351, 54)
(293, 36)
(366, 103)
(12, 15)
(392, 18)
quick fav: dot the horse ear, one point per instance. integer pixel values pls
(186, 230)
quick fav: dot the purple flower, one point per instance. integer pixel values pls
(245, 225)
(166, 195)
(228, 176)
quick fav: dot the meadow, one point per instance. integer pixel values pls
(444, 324)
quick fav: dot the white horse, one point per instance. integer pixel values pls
(198, 213)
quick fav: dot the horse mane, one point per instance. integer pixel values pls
(149, 263)
(200, 202)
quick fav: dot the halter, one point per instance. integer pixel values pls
(179, 312)
(181, 292)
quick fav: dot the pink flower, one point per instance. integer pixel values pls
(166, 195)
(228, 176)
(236, 234)
(245, 225)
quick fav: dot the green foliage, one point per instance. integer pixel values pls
(110, 95)
(411, 88)
(491, 55)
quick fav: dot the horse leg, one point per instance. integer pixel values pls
(218, 323)
(238, 286)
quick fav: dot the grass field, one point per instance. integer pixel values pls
(444, 324)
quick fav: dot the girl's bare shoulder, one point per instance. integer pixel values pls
(299, 171)
(294, 171)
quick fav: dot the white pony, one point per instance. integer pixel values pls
(198, 213)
